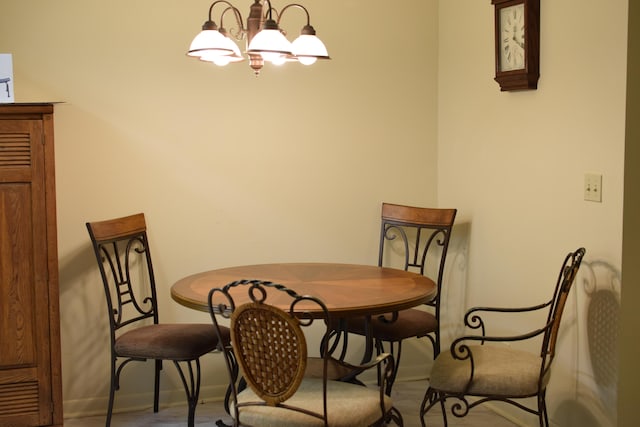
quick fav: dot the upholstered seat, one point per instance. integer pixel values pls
(348, 405)
(169, 341)
(500, 371)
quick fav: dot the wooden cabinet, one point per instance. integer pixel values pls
(30, 378)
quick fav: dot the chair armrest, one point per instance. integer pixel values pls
(457, 345)
(382, 358)
(473, 318)
(460, 350)
(339, 370)
(385, 364)
(378, 361)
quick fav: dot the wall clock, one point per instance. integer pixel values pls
(517, 38)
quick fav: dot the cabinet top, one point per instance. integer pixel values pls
(27, 108)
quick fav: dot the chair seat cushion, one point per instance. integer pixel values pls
(499, 371)
(348, 405)
(169, 341)
(410, 323)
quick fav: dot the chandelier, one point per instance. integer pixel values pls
(265, 40)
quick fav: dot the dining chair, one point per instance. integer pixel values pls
(268, 362)
(122, 251)
(481, 368)
(419, 238)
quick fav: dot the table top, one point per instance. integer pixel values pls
(346, 289)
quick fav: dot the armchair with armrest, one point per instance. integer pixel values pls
(272, 382)
(474, 368)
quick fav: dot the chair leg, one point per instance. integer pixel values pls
(396, 417)
(156, 385)
(234, 368)
(444, 410)
(115, 384)
(542, 410)
(435, 343)
(396, 359)
(191, 386)
(432, 398)
(112, 391)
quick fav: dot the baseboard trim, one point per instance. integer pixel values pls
(129, 402)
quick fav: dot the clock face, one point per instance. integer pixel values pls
(512, 38)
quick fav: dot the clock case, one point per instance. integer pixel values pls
(525, 78)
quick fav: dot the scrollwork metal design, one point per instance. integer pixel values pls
(461, 407)
(119, 261)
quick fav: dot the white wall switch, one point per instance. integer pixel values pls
(593, 187)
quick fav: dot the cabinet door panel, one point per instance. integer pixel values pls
(17, 337)
(25, 368)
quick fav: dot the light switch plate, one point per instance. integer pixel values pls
(593, 187)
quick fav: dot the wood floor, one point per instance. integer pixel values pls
(407, 397)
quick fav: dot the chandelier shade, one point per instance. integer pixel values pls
(270, 43)
(211, 43)
(219, 59)
(308, 48)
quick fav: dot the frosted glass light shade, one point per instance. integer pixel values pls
(309, 45)
(271, 44)
(308, 48)
(221, 59)
(210, 43)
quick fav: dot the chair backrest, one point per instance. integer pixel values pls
(268, 341)
(420, 236)
(566, 278)
(124, 259)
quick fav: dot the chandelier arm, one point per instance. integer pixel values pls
(268, 13)
(294, 5)
(239, 34)
(215, 3)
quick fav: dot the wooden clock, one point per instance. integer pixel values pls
(517, 37)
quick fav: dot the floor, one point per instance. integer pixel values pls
(407, 397)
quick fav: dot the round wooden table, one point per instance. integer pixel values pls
(346, 289)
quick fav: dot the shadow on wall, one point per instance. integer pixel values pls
(598, 313)
(84, 330)
(454, 285)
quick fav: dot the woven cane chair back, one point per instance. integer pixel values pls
(271, 350)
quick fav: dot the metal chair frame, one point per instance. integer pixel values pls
(438, 224)
(460, 350)
(433, 228)
(116, 254)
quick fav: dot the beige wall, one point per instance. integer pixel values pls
(513, 164)
(229, 168)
